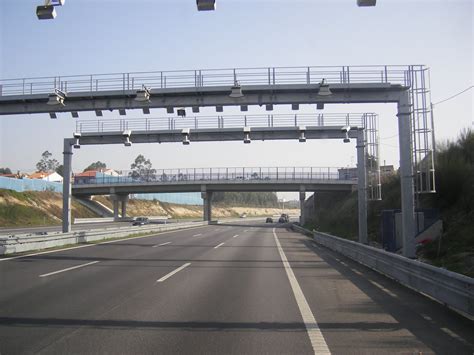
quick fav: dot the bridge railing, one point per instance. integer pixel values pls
(243, 175)
(224, 121)
(394, 74)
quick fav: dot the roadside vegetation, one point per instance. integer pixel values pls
(34, 208)
(337, 213)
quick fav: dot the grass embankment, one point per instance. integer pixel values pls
(337, 213)
(35, 208)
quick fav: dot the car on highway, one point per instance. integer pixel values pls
(284, 218)
(269, 220)
(140, 221)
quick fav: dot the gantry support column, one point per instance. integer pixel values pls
(406, 174)
(302, 209)
(362, 187)
(67, 172)
(207, 201)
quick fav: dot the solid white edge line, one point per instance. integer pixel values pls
(167, 276)
(68, 269)
(312, 328)
(91, 245)
(217, 246)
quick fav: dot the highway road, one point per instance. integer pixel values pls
(224, 289)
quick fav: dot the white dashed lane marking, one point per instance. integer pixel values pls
(167, 276)
(68, 269)
(159, 245)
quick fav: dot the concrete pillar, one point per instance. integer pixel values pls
(362, 187)
(207, 208)
(115, 202)
(124, 199)
(302, 209)
(67, 172)
(406, 174)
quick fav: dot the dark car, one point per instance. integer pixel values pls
(140, 221)
(284, 218)
(269, 220)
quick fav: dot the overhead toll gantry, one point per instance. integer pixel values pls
(406, 86)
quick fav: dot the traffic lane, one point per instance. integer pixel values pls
(83, 295)
(358, 308)
(234, 300)
(20, 275)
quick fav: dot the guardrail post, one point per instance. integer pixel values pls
(361, 187)
(67, 166)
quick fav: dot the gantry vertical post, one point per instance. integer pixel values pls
(362, 187)
(406, 174)
(302, 209)
(67, 171)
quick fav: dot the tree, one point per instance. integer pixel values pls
(98, 165)
(5, 171)
(142, 169)
(60, 170)
(47, 164)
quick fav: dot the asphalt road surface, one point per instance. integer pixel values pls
(224, 289)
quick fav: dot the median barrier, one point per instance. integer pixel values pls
(24, 243)
(449, 288)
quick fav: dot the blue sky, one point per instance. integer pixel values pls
(122, 36)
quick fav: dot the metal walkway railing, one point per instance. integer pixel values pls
(358, 120)
(394, 74)
(201, 175)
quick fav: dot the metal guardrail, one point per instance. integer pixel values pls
(19, 244)
(394, 74)
(200, 175)
(449, 288)
(359, 120)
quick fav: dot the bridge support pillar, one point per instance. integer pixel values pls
(67, 172)
(362, 187)
(124, 199)
(406, 175)
(302, 209)
(207, 201)
(120, 205)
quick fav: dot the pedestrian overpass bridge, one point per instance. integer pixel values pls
(210, 180)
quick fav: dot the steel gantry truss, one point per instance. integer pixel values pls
(230, 128)
(406, 86)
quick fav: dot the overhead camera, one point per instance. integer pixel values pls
(247, 139)
(302, 130)
(77, 136)
(185, 133)
(126, 134)
(345, 130)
